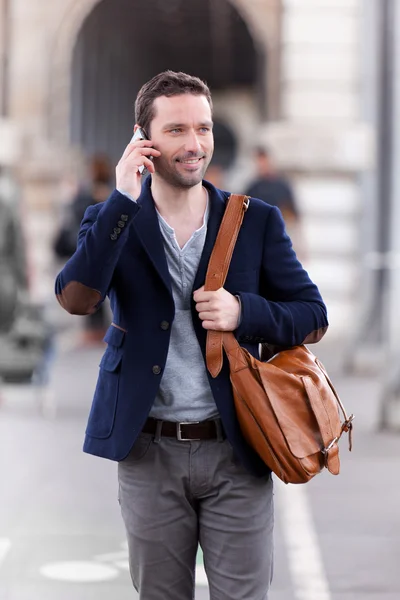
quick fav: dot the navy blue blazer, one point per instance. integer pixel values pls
(120, 253)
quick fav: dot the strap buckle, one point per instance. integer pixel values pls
(348, 424)
(325, 451)
(179, 431)
(333, 442)
(246, 203)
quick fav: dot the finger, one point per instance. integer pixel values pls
(133, 145)
(147, 152)
(148, 164)
(141, 143)
(202, 296)
(206, 316)
(197, 293)
(128, 150)
(146, 147)
(143, 162)
(201, 306)
(209, 325)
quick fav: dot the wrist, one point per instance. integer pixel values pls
(239, 319)
(127, 194)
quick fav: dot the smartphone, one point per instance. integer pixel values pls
(140, 135)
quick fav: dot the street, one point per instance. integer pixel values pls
(61, 534)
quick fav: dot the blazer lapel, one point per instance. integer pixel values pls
(148, 230)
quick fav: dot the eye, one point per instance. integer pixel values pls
(205, 129)
(176, 130)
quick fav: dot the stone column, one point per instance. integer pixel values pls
(390, 414)
(322, 141)
(41, 162)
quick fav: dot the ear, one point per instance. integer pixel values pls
(136, 127)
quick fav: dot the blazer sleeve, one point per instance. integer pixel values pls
(289, 310)
(83, 283)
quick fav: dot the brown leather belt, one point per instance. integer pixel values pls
(185, 432)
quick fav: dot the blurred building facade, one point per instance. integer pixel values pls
(291, 74)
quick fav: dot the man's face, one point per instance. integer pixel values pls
(182, 131)
(264, 166)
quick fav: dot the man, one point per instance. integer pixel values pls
(271, 187)
(186, 474)
(274, 189)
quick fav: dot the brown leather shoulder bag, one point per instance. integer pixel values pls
(287, 407)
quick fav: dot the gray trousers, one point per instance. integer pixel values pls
(174, 495)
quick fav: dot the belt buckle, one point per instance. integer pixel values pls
(179, 431)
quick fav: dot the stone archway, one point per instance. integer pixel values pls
(265, 30)
(113, 56)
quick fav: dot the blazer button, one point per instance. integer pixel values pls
(156, 370)
(164, 325)
(114, 236)
(124, 218)
(121, 224)
(117, 230)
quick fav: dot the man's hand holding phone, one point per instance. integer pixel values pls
(128, 171)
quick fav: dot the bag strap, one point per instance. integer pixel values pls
(218, 269)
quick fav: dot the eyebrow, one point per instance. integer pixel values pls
(178, 125)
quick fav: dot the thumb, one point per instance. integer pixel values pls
(201, 289)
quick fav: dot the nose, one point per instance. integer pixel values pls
(192, 143)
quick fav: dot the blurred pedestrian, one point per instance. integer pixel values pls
(93, 191)
(215, 174)
(186, 473)
(271, 186)
(275, 189)
(13, 268)
(25, 334)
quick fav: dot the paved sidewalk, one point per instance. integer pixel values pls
(59, 513)
(357, 514)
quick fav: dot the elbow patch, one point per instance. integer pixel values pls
(79, 299)
(315, 336)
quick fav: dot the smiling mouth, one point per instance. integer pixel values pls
(190, 161)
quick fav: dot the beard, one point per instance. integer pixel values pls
(175, 175)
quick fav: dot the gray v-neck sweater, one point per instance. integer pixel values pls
(184, 393)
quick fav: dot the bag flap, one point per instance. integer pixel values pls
(290, 403)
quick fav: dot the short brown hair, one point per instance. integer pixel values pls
(100, 168)
(168, 83)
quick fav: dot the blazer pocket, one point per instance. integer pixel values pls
(111, 359)
(115, 336)
(104, 405)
